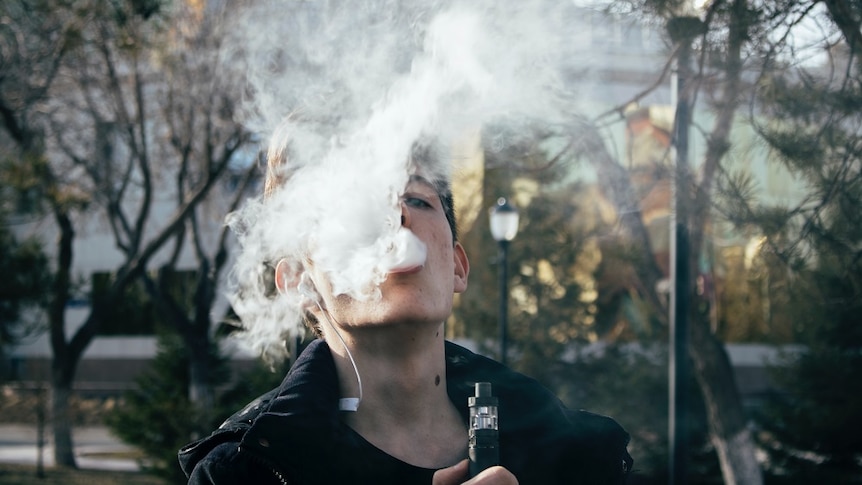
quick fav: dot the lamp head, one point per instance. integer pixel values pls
(504, 220)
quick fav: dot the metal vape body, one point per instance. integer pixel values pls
(484, 439)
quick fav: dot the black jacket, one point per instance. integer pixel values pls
(293, 434)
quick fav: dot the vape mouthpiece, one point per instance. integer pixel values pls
(483, 389)
(484, 446)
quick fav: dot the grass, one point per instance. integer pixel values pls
(26, 475)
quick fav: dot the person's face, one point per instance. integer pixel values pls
(423, 294)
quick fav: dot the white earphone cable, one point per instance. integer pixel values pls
(346, 403)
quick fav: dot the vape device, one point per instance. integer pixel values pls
(484, 444)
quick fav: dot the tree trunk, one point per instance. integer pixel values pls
(200, 392)
(730, 436)
(61, 392)
(726, 415)
(62, 365)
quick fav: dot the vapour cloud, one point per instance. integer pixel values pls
(345, 89)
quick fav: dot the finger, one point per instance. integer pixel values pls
(454, 475)
(495, 475)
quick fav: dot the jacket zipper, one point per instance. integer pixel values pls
(279, 476)
(268, 465)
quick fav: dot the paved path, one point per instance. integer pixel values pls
(18, 445)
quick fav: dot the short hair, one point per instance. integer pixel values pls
(444, 191)
(425, 153)
(422, 153)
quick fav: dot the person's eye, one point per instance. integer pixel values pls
(418, 202)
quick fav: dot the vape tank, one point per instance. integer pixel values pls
(484, 445)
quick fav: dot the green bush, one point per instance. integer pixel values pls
(810, 426)
(630, 383)
(157, 416)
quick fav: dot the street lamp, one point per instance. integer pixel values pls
(683, 29)
(504, 228)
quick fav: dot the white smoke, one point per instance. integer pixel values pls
(346, 89)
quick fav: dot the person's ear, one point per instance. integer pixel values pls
(462, 267)
(286, 275)
(296, 277)
(309, 292)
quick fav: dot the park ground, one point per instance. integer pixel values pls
(102, 458)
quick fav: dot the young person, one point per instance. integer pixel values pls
(380, 397)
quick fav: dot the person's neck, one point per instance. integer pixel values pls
(404, 397)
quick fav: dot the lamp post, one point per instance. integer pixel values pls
(504, 228)
(682, 29)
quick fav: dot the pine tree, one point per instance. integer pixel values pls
(155, 416)
(26, 276)
(811, 121)
(812, 425)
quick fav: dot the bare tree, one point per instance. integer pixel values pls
(198, 114)
(89, 114)
(36, 39)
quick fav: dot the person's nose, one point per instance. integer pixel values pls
(405, 215)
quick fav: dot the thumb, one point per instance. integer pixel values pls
(454, 475)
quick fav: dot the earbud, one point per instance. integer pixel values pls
(304, 287)
(286, 277)
(307, 289)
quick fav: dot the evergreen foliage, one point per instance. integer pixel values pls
(562, 263)
(811, 122)
(157, 416)
(26, 276)
(629, 382)
(811, 425)
(554, 288)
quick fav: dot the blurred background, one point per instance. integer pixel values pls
(686, 256)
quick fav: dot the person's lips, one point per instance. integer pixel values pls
(407, 269)
(405, 253)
